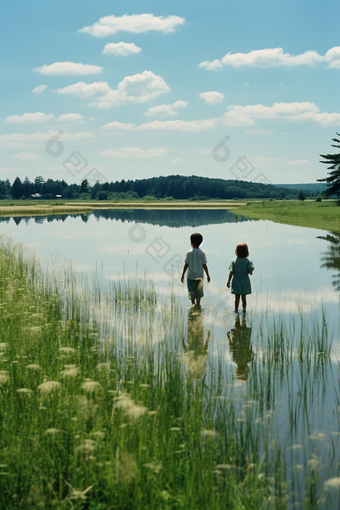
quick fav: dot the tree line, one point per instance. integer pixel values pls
(164, 187)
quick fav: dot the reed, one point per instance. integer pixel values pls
(102, 407)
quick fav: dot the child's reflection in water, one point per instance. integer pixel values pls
(196, 352)
(240, 347)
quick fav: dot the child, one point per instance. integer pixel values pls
(240, 269)
(196, 260)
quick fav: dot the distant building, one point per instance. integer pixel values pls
(36, 195)
(59, 196)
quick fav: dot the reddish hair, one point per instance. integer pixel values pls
(242, 250)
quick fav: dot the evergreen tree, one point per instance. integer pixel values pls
(85, 187)
(333, 181)
(17, 188)
(301, 195)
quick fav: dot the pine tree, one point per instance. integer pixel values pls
(333, 181)
(17, 188)
(85, 187)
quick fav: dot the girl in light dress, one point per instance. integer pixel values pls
(239, 270)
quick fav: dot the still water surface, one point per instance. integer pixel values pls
(296, 280)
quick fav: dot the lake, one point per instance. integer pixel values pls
(296, 285)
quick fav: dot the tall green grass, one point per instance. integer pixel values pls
(100, 407)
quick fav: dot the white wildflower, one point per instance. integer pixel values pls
(4, 376)
(52, 431)
(25, 391)
(69, 371)
(332, 483)
(91, 386)
(33, 366)
(3, 346)
(132, 409)
(87, 447)
(67, 350)
(209, 433)
(49, 386)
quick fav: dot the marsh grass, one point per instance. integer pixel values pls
(43, 209)
(98, 409)
(324, 215)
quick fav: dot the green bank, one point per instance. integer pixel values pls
(323, 215)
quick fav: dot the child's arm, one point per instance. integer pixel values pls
(229, 279)
(205, 267)
(184, 271)
(250, 272)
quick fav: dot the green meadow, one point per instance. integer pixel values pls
(324, 215)
(105, 405)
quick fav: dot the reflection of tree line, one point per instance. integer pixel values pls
(196, 348)
(170, 218)
(331, 258)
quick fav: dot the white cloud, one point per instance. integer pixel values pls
(121, 49)
(71, 117)
(135, 152)
(328, 119)
(298, 162)
(305, 111)
(136, 89)
(42, 137)
(274, 57)
(166, 110)
(212, 97)
(177, 160)
(179, 125)
(39, 89)
(37, 117)
(64, 68)
(27, 156)
(333, 57)
(204, 152)
(119, 126)
(84, 90)
(135, 23)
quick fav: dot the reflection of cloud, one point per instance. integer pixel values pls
(298, 241)
(123, 249)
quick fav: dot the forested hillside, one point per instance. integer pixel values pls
(176, 187)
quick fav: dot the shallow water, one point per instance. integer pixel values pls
(295, 403)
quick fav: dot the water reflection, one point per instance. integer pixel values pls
(174, 218)
(196, 351)
(240, 347)
(331, 258)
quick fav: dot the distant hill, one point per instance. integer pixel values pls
(315, 187)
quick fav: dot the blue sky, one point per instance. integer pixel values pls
(144, 89)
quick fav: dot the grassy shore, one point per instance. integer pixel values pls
(102, 407)
(45, 209)
(324, 215)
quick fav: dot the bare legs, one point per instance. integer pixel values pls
(198, 304)
(237, 302)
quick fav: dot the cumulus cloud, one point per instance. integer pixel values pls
(42, 137)
(212, 97)
(135, 89)
(39, 89)
(298, 162)
(166, 110)
(135, 23)
(135, 152)
(30, 118)
(258, 132)
(204, 152)
(27, 156)
(177, 160)
(304, 111)
(179, 125)
(71, 117)
(274, 57)
(119, 126)
(121, 49)
(64, 68)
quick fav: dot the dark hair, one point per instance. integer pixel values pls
(196, 239)
(242, 250)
